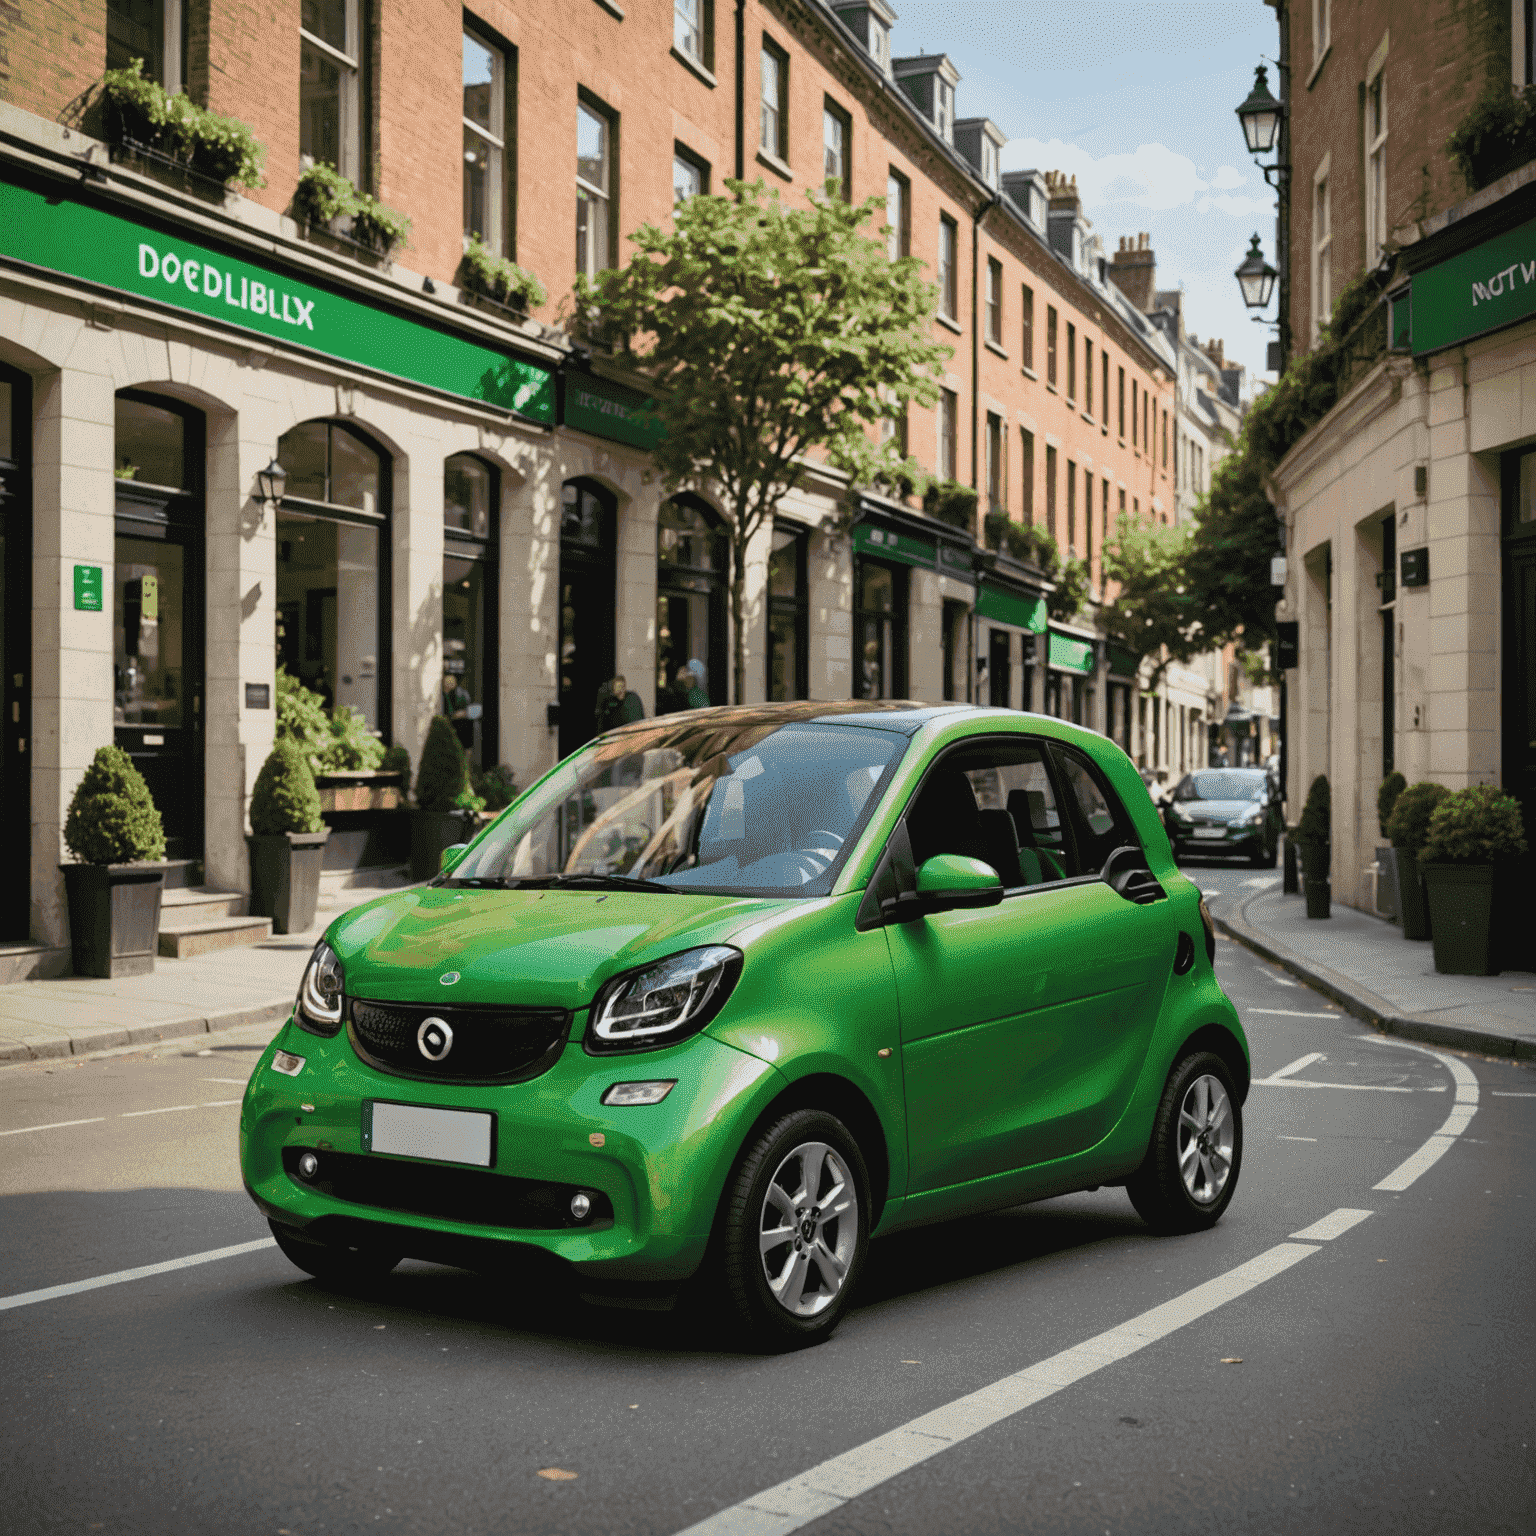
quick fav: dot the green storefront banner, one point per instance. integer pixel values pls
(1069, 654)
(606, 409)
(118, 253)
(887, 544)
(1123, 663)
(1009, 607)
(1480, 290)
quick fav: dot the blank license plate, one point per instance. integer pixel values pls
(444, 1135)
(1210, 831)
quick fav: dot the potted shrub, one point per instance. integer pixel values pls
(503, 282)
(287, 841)
(1474, 836)
(114, 831)
(1407, 828)
(1386, 859)
(445, 799)
(1314, 836)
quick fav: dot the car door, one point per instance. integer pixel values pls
(1023, 1025)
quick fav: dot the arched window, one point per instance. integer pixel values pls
(587, 535)
(471, 514)
(333, 567)
(692, 566)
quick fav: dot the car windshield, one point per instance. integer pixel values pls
(750, 806)
(1223, 784)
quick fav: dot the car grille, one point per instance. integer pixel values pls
(450, 1194)
(488, 1045)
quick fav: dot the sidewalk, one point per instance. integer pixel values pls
(254, 984)
(1366, 965)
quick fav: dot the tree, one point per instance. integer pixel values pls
(1154, 613)
(768, 333)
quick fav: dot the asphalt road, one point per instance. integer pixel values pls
(1377, 1380)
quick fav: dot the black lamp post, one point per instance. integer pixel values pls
(271, 482)
(1265, 129)
(1255, 277)
(1260, 115)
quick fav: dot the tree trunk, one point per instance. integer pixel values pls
(738, 633)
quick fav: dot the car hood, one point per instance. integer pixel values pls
(1223, 810)
(548, 949)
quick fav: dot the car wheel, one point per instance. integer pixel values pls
(334, 1263)
(796, 1227)
(1190, 1171)
(1273, 856)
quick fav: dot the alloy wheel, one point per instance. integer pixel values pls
(808, 1228)
(1205, 1139)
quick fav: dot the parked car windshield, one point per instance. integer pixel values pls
(755, 806)
(1223, 784)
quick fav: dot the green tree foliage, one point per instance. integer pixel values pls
(442, 779)
(1386, 797)
(301, 719)
(1153, 613)
(1408, 824)
(1477, 825)
(768, 332)
(353, 748)
(112, 819)
(284, 798)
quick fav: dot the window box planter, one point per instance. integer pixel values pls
(168, 169)
(285, 877)
(334, 240)
(483, 301)
(114, 917)
(358, 791)
(1461, 901)
(433, 831)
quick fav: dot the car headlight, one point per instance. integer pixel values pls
(1249, 818)
(320, 992)
(663, 1003)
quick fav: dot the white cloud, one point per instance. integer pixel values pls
(1227, 178)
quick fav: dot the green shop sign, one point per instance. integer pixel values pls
(609, 410)
(1480, 290)
(1009, 607)
(118, 253)
(1069, 654)
(887, 544)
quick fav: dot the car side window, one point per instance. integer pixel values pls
(1101, 823)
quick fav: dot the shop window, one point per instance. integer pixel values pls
(150, 444)
(15, 643)
(692, 571)
(788, 615)
(471, 505)
(594, 178)
(999, 668)
(330, 84)
(152, 30)
(486, 202)
(880, 630)
(332, 568)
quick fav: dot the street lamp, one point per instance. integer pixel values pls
(273, 481)
(1260, 115)
(1256, 277)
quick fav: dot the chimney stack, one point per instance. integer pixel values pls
(1134, 270)
(1217, 354)
(1064, 215)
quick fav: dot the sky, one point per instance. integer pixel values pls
(1137, 101)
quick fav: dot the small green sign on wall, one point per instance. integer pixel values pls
(88, 588)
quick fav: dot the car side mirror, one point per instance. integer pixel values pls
(450, 853)
(946, 882)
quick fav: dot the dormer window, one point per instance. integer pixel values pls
(989, 162)
(944, 109)
(880, 45)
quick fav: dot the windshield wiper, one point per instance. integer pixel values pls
(480, 882)
(600, 882)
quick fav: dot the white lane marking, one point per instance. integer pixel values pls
(1292, 1013)
(239, 1082)
(53, 1125)
(1296, 1066)
(170, 1109)
(1296, 1138)
(218, 1103)
(1302, 1082)
(1456, 1122)
(1331, 1226)
(1261, 882)
(52, 1292)
(1498, 1093)
(828, 1486)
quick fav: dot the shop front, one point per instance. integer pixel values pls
(1012, 618)
(1070, 689)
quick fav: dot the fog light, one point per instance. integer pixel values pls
(309, 1165)
(580, 1205)
(289, 1066)
(621, 1094)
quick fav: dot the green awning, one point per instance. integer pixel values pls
(887, 544)
(1123, 663)
(1069, 654)
(1010, 607)
(606, 409)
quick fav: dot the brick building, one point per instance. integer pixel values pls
(467, 523)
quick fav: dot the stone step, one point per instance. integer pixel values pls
(192, 905)
(221, 933)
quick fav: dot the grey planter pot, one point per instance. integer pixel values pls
(285, 877)
(1411, 906)
(1319, 898)
(431, 832)
(114, 917)
(1386, 881)
(1461, 905)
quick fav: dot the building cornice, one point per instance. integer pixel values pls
(1378, 392)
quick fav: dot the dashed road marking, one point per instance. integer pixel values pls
(143, 1272)
(1332, 1226)
(53, 1125)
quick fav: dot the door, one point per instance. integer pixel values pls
(586, 609)
(16, 646)
(1519, 701)
(1023, 1025)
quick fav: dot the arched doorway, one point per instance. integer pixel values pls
(16, 640)
(471, 520)
(587, 534)
(692, 568)
(158, 607)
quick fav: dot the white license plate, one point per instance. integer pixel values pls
(1210, 831)
(444, 1135)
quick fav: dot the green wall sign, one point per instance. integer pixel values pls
(887, 544)
(1484, 289)
(608, 410)
(1009, 607)
(1069, 654)
(104, 248)
(88, 588)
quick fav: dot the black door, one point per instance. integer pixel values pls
(1519, 692)
(16, 647)
(587, 533)
(692, 568)
(157, 608)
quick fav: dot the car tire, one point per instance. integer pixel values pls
(1190, 1172)
(1272, 858)
(334, 1263)
(789, 1294)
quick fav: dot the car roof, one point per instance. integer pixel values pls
(907, 716)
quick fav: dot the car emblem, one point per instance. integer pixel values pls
(434, 1039)
(448, 978)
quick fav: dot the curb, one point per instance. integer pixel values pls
(1372, 1010)
(13, 1053)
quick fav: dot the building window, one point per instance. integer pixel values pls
(898, 215)
(1027, 475)
(1120, 390)
(1050, 490)
(879, 43)
(1322, 255)
(949, 413)
(693, 30)
(1088, 518)
(775, 84)
(152, 30)
(471, 505)
(1165, 439)
(893, 429)
(955, 619)
(994, 301)
(1375, 166)
(997, 492)
(330, 109)
(837, 143)
(949, 300)
(1071, 507)
(1050, 343)
(485, 149)
(944, 109)
(1087, 376)
(1104, 360)
(1071, 361)
(690, 177)
(1134, 416)
(594, 168)
(789, 609)
(1104, 518)
(1146, 422)
(1027, 336)
(880, 630)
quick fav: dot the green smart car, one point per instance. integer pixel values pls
(727, 993)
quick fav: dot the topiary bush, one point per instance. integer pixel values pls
(1477, 825)
(1315, 829)
(442, 778)
(1408, 824)
(352, 747)
(1386, 797)
(397, 760)
(285, 798)
(495, 786)
(112, 819)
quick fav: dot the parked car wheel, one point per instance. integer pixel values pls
(1272, 858)
(333, 1263)
(1190, 1171)
(796, 1227)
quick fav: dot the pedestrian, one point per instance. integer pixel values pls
(616, 705)
(692, 680)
